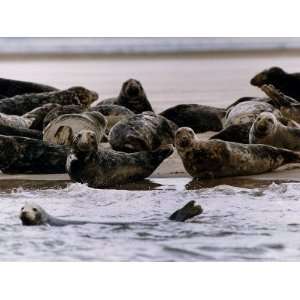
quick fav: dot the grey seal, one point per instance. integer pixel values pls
(142, 132)
(267, 130)
(104, 168)
(200, 118)
(216, 158)
(132, 96)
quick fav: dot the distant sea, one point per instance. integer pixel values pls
(140, 45)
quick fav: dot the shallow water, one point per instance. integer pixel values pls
(238, 223)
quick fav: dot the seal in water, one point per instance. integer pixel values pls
(106, 168)
(62, 110)
(21, 104)
(62, 129)
(216, 158)
(200, 118)
(31, 156)
(267, 130)
(113, 113)
(10, 88)
(142, 132)
(33, 214)
(132, 96)
(288, 83)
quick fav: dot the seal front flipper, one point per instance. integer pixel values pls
(189, 211)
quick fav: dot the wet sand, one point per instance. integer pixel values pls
(215, 80)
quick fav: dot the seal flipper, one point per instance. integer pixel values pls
(190, 210)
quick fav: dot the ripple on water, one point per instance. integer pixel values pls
(256, 222)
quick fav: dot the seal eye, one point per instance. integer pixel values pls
(34, 209)
(22, 208)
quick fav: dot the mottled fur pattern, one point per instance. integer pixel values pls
(104, 168)
(142, 132)
(200, 118)
(216, 158)
(132, 96)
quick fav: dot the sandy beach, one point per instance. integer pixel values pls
(216, 80)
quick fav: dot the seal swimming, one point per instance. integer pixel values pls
(142, 132)
(31, 156)
(200, 118)
(132, 96)
(267, 130)
(104, 168)
(10, 88)
(216, 158)
(288, 83)
(32, 214)
(21, 104)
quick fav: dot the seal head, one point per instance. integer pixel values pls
(269, 76)
(32, 214)
(264, 125)
(184, 137)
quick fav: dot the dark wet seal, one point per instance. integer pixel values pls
(21, 104)
(200, 118)
(132, 96)
(189, 211)
(101, 168)
(216, 158)
(11, 88)
(31, 156)
(23, 132)
(288, 83)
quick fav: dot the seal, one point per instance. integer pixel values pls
(113, 113)
(267, 130)
(31, 156)
(32, 214)
(132, 96)
(62, 110)
(62, 129)
(200, 118)
(142, 132)
(10, 88)
(104, 168)
(288, 83)
(21, 104)
(216, 158)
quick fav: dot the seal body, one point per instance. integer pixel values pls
(62, 129)
(216, 158)
(113, 113)
(11, 88)
(288, 83)
(142, 132)
(132, 96)
(267, 130)
(21, 104)
(105, 168)
(25, 155)
(200, 118)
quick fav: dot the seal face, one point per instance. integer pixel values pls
(200, 118)
(267, 130)
(142, 132)
(132, 96)
(105, 168)
(215, 158)
(32, 214)
(288, 83)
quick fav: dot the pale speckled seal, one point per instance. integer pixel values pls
(267, 130)
(200, 118)
(132, 96)
(103, 168)
(21, 104)
(216, 158)
(142, 132)
(26, 155)
(288, 83)
(11, 88)
(62, 129)
(32, 214)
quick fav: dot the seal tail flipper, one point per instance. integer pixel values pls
(190, 210)
(162, 152)
(64, 135)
